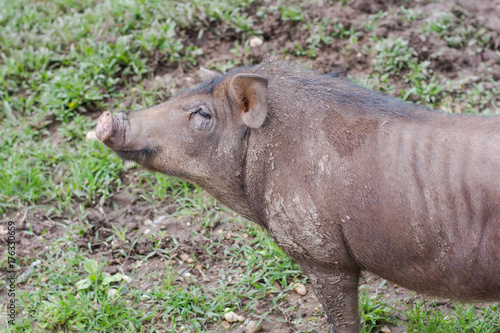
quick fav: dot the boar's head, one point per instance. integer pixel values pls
(198, 135)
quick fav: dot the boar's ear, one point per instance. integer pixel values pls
(248, 94)
(207, 74)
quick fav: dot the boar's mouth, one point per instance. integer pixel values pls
(141, 156)
(116, 133)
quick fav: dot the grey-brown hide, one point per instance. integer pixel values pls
(343, 178)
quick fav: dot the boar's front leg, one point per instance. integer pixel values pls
(337, 290)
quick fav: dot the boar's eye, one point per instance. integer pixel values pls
(200, 119)
(203, 113)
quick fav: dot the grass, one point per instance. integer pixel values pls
(62, 62)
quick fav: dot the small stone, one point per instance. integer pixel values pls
(190, 278)
(184, 256)
(255, 41)
(190, 261)
(385, 329)
(253, 327)
(126, 278)
(147, 231)
(160, 219)
(2, 230)
(228, 236)
(231, 317)
(300, 289)
(226, 325)
(90, 136)
(241, 318)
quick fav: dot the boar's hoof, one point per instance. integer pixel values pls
(104, 128)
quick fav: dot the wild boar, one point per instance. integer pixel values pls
(344, 179)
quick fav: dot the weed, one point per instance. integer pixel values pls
(442, 23)
(322, 33)
(421, 318)
(74, 304)
(291, 13)
(120, 232)
(456, 32)
(373, 20)
(374, 312)
(410, 14)
(393, 56)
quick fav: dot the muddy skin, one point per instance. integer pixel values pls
(343, 178)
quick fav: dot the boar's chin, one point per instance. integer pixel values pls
(141, 156)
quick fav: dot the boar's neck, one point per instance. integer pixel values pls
(227, 182)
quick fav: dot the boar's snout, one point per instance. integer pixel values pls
(129, 134)
(104, 128)
(116, 132)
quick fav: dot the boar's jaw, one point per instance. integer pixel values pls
(140, 156)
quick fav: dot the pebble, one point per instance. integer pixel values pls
(385, 329)
(190, 278)
(233, 317)
(90, 136)
(300, 289)
(184, 256)
(226, 325)
(190, 261)
(160, 219)
(253, 327)
(255, 41)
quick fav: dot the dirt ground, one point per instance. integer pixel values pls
(279, 37)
